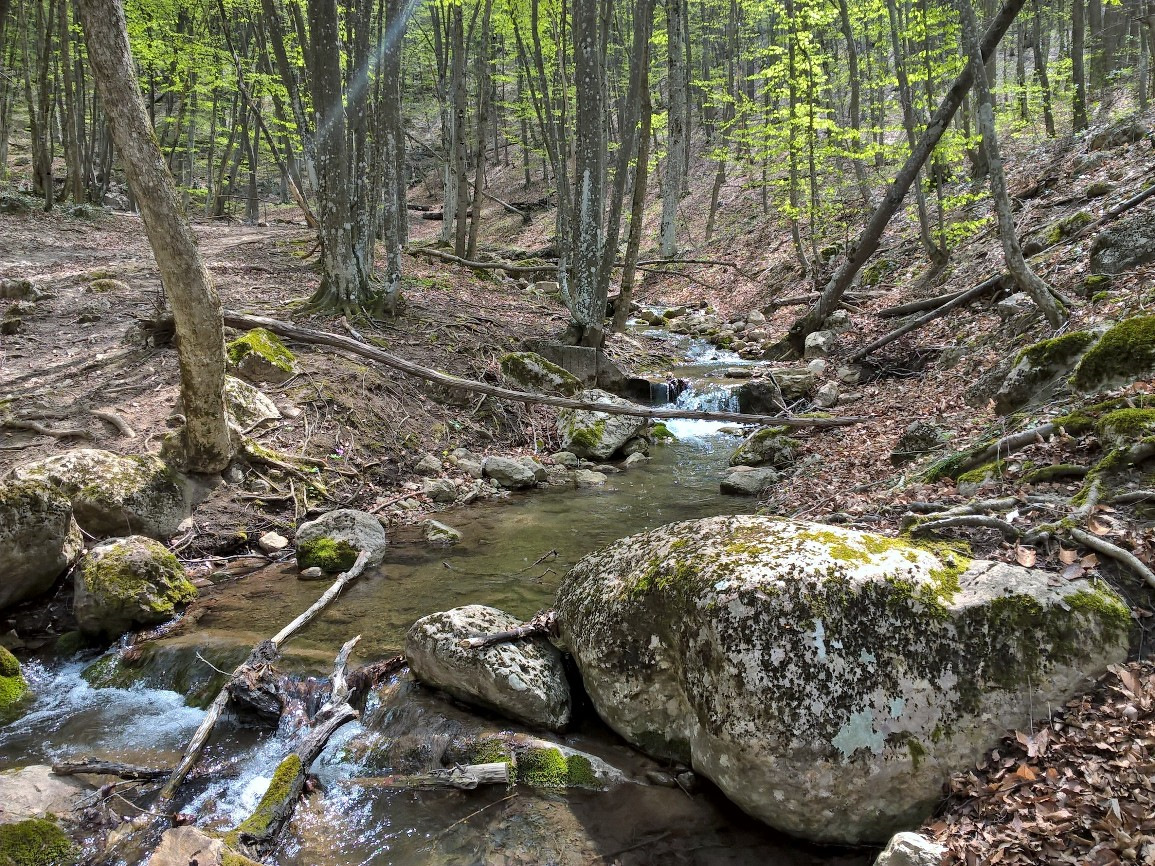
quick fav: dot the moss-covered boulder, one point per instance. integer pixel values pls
(36, 842)
(534, 373)
(248, 406)
(767, 446)
(1125, 427)
(113, 494)
(38, 539)
(1039, 370)
(597, 435)
(127, 583)
(828, 681)
(333, 541)
(13, 686)
(523, 680)
(260, 356)
(1122, 355)
(1130, 242)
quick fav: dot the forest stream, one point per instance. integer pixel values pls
(512, 555)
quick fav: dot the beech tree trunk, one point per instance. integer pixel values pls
(1078, 72)
(195, 304)
(1025, 278)
(677, 148)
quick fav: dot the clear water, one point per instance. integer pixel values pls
(496, 563)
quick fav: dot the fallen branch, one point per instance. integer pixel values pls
(131, 772)
(36, 427)
(116, 420)
(463, 777)
(963, 299)
(1132, 497)
(1101, 545)
(348, 344)
(542, 624)
(481, 266)
(918, 306)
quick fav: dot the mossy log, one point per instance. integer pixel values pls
(464, 777)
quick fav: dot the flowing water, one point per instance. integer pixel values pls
(513, 553)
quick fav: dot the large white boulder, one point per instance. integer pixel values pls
(113, 494)
(38, 539)
(828, 681)
(597, 435)
(523, 680)
(36, 792)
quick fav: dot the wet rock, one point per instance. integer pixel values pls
(1128, 243)
(767, 446)
(567, 459)
(919, 439)
(532, 372)
(509, 472)
(248, 406)
(185, 846)
(272, 542)
(127, 583)
(112, 494)
(736, 646)
(819, 344)
(440, 534)
(260, 356)
(13, 688)
(589, 478)
(524, 681)
(1039, 370)
(311, 573)
(439, 489)
(749, 480)
(597, 435)
(738, 373)
(37, 792)
(910, 849)
(38, 539)
(333, 541)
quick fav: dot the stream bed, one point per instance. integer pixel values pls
(513, 553)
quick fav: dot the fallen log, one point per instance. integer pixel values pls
(463, 777)
(918, 306)
(364, 350)
(131, 772)
(961, 300)
(508, 267)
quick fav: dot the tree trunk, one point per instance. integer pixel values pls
(638, 202)
(1025, 278)
(460, 183)
(483, 110)
(1078, 74)
(1040, 58)
(677, 147)
(195, 303)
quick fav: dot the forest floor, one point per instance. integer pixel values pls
(77, 350)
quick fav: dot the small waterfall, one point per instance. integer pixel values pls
(704, 398)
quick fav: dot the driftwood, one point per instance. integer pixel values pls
(37, 427)
(961, 300)
(348, 344)
(259, 832)
(542, 624)
(464, 777)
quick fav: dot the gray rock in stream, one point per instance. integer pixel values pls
(334, 539)
(597, 435)
(509, 472)
(524, 681)
(828, 681)
(38, 539)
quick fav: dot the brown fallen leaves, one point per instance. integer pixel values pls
(1079, 790)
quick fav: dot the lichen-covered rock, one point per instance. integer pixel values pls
(333, 541)
(38, 539)
(509, 472)
(917, 440)
(534, 373)
(126, 583)
(1039, 369)
(37, 792)
(759, 396)
(749, 480)
(36, 842)
(248, 406)
(819, 344)
(767, 446)
(115, 495)
(523, 680)
(260, 356)
(597, 435)
(828, 681)
(13, 688)
(1128, 243)
(1122, 355)
(440, 534)
(910, 849)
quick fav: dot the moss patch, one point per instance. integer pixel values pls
(549, 768)
(35, 842)
(1067, 226)
(533, 371)
(278, 793)
(13, 686)
(1056, 351)
(994, 469)
(1125, 352)
(660, 432)
(328, 554)
(264, 343)
(1126, 424)
(1049, 473)
(589, 437)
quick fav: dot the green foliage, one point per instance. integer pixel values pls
(35, 842)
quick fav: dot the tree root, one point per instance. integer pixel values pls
(1009, 532)
(36, 427)
(116, 420)
(1106, 548)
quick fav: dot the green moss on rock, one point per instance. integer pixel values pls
(533, 371)
(13, 686)
(660, 432)
(35, 842)
(1058, 350)
(994, 469)
(1067, 226)
(264, 343)
(328, 554)
(542, 768)
(278, 793)
(1124, 353)
(1126, 424)
(1045, 474)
